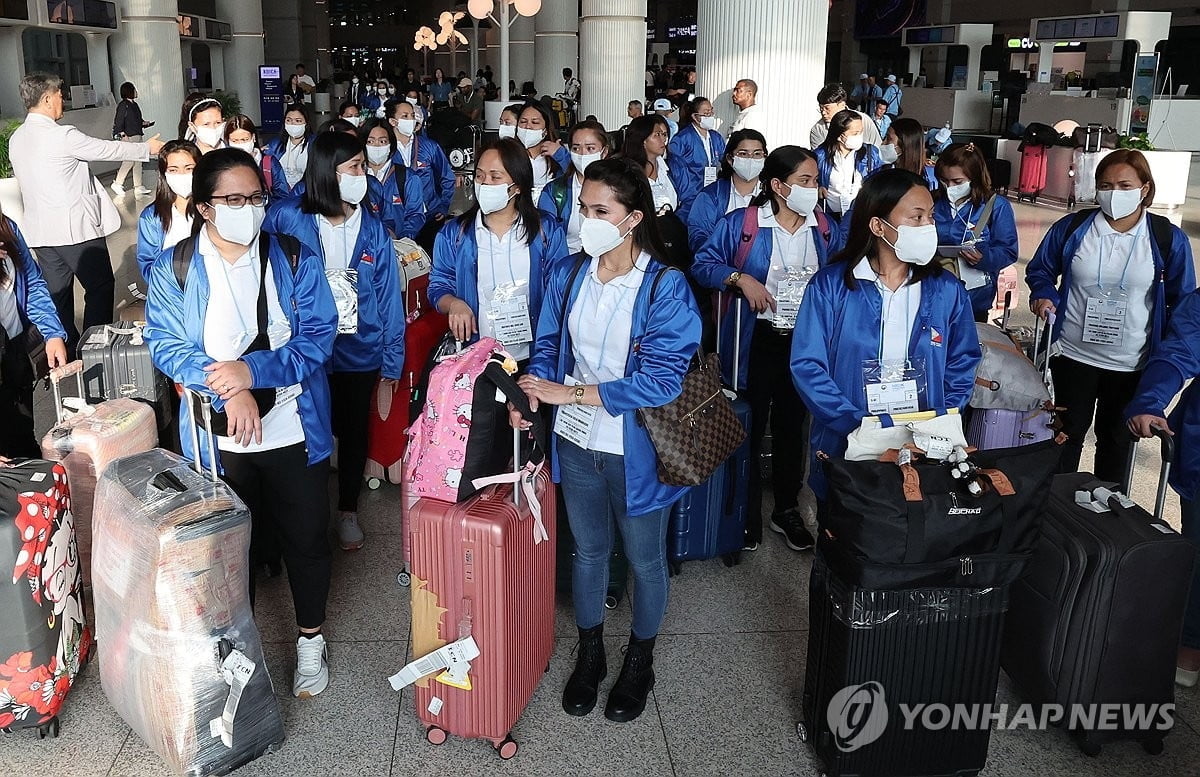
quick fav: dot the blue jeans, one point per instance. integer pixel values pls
(593, 485)
(1190, 524)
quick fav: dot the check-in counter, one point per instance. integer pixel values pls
(964, 109)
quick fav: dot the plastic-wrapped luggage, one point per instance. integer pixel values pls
(44, 637)
(183, 663)
(88, 437)
(1084, 164)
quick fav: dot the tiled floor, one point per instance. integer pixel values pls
(730, 664)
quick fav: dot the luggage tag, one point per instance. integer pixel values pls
(236, 670)
(893, 386)
(1104, 318)
(574, 423)
(344, 285)
(789, 296)
(710, 174)
(509, 313)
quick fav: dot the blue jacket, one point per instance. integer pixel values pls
(379, 343)
(713, 264)
(841, 330)
(275, 149)
(998, 242)
(33, 296)
(1173, 362)
(403, 213)
(434, 171)
(707, 210)
(664, 338)
(372, 102)
(175, 335)
(278, 183)
(866, 161)
(150, 239)
(1175, 274)
(456, 264)
(687, 158)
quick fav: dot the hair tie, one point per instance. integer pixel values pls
(197, 107)
(970, 146)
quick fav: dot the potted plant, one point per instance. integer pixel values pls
(1169, 168)
(231, 104)
(10, 193)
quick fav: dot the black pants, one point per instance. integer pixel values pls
(290, 499)
(770, 392)
(16, 403)
(89, 261)
(1088, 392)
(351, 395)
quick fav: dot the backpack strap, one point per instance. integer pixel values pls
(658, 277)
(401, 173)
(181, 259)
(1160, 230)
(559, 189)
(1078, 219)
(571, 283)
(749, 233)
(290, 246)
(823, 225)
(265, 164)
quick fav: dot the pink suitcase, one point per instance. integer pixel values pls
(86, 441)
(484, 568)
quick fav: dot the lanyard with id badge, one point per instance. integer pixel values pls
(791, 289)
(508, 309)
(893, 385)
(710, 170)
(1107, 307)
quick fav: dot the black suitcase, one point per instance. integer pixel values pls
(871, 651)
(117, 363)
(1097, 617)
(1000, 171)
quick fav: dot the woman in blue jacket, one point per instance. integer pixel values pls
(538, 132)
(737, 183)
(241, 132)
(330, 220)
(290, 149)
(1174, 362)
(764, 255)
(400, 198)
(492, 263)
(24, 302)
(617, 331)
(165, 221)
(882, 302)
(1120, 270)
(250, 328)
(958, 206)
(844, 162)
(904, 147)
(588, 142)
(696, 154)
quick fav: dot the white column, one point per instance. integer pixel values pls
(220, 79)
(612, 57)
(12, 62)
(556, 44)
(1045, 62)
(146, 52)
(245, 54)
(780, 45)
(520, 48)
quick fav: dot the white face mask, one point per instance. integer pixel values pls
(508, 130)
(492, 196)
(888, 153)
(352, 188)
(599, 236)
(530, 137)
(748, 168)
(391, 90)
(802, 199)
(239, 225)
(852, 142)
(180, 183)
(915, 245)
(406, 127)
(581, 161)
(209, 136)
(708, 122)
(295, 130)
(354, 80)
(355, 121)
(411, 100)
(248, 146)
(958, 191)
(377, 155)
(381, 89)
(1119, 203)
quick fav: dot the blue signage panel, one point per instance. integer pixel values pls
(270, 90)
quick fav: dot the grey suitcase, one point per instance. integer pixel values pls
(117, 363)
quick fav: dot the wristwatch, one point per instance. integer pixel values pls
(578, 396)
(733, 278)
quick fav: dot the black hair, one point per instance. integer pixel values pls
(878, 198)
(735, 140)
(514, 158)
(337, 124)
(837, 127)
(195, 103)
(325, 153)
(364, 132)
(779, 164)
(586, 125)
(968, 158)
(208, 171)
(389, 107)
(831, 93)
(515, 109)
(910, 142)
(164, 195)
(551, 130)
(631, 188)
(301, 109)
(348, 104)
(128, 90)
(636, 133)
(689, 108)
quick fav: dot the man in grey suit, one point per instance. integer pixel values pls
(64, 221)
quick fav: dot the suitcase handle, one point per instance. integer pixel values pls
(59, 373)
(1164, 473)
(206, 415)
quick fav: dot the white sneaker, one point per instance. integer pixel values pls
(312, 667)
(117, 188)
(350, 534)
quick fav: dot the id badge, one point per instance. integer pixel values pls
(790, 295)
(573, 422)
(509, 314)
(710, 174)
(894, 386)
(285, 394)
(344, 285)
(1104, 319)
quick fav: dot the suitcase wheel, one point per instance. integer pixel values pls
(507, 748)
(1090, 747)
(403, 579)
(1153, 746)
(374, 483)
(802, 731)
(732, 559)
(674, 568)
(435, 735)
(50, 727)
(611, 602)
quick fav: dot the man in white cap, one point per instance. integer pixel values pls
(892, 95)
(664, 108)
(469, 100)
(745, 97)
(865, 95)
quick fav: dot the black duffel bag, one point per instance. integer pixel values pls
(890, 526)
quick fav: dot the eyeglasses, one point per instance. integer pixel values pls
(236, 201)
(750, 154)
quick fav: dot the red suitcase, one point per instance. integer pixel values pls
(1033, 172)
(479, 570)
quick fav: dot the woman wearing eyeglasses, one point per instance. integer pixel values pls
(250, 325)
(646, 144)
(737, 183)
(696, 152)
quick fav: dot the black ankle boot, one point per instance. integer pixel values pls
(591, 666)
(627, 698)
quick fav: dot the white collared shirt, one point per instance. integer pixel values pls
(181, 227)
(503, 261)
(574, 243)
(294, 160)
(750, 117)
(662, 188)
(10, 316)
(788, 251)
(541, 175)
(738, 201)
(405, 149)
(844, 182)
(900, 308)
(338, 241)
(601, 324)
(231, 324)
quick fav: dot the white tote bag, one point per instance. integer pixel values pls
(876, 435)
